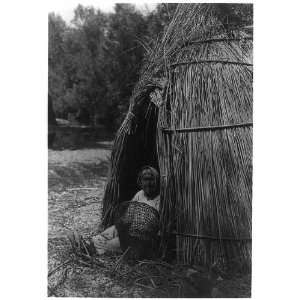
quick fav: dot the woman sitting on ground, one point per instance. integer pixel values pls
(109, 239)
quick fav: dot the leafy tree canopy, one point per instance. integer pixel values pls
(94, 61)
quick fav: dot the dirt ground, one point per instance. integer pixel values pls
(76, 181)
(76, 185)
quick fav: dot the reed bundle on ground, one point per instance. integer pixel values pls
(200, 136)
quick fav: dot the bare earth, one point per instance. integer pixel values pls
(76, 186)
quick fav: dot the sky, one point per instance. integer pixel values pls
(66, 8)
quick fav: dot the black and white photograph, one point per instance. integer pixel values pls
(149, 149)
(150, 119)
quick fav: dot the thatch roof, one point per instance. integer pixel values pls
(200, 136)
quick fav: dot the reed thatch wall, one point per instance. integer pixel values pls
(204, 137)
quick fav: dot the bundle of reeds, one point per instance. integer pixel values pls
(205, 151)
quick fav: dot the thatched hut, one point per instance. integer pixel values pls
(198, 133)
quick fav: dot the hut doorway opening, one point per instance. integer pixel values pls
(134, 148)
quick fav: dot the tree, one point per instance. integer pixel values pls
(124, 55)
(56, 28)
(95, 61)
(160, 18)
(51, 114)
(235, 14)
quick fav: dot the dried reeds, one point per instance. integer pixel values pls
(207, 187)
(206, 176)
